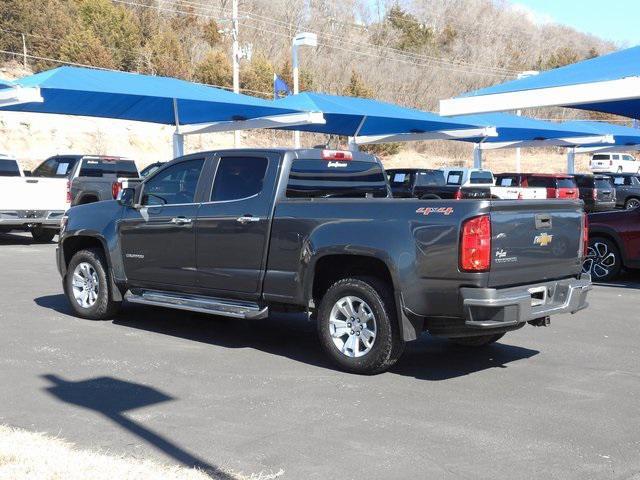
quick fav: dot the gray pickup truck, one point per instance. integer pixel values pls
(244, 233)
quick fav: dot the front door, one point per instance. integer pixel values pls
(233, 226)
(158, 239)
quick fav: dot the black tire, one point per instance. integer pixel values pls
(477, 341)
(387, 345)
(104, 307)
(43, 235)
(632, 203)
(603, 261)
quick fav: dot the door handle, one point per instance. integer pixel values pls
(181, 221)
(247, 219)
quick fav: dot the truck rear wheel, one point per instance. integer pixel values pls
(87, 286)
(358, 327)
(477, 341)
(43, 235)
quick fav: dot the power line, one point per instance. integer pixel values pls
(76, 64)
(480, 70)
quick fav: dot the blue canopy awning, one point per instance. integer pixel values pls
(354, 116)
(145, 98)
(622, 136)
(610, 83)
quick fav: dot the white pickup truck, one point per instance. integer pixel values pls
(513, 186)
(36, 202)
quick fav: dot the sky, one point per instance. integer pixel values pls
(616, 20)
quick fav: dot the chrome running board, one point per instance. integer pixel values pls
(194, 303)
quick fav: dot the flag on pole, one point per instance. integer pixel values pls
(280, 87)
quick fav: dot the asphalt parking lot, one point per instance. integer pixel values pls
(560, 402)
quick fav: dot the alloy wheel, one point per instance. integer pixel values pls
(632, 203)
(85, 284)
(600, 260)
(352, 326)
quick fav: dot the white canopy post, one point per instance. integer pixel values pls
(178, 137)
(571, 160)
(477, 156)
(352, 141)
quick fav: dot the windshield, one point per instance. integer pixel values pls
(9, 168)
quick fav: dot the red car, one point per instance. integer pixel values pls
(614, 243)
(558, 185)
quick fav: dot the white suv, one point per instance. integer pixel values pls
(614, 162)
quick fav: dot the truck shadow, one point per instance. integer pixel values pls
(293, 336)
(17, 239)
(628, 279)
(112, 397)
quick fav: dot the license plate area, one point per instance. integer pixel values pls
(538, 296)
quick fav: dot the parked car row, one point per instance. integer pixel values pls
(36, 201)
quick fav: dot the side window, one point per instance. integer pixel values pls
(56, 167)
(629, 158)
(175, 185)
(615, 157)
(618, 181)
(238, 178)
(401, 179)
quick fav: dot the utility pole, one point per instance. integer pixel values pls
(24, 51)
(236, 62)
(310, 40)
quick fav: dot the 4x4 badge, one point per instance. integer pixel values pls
(543, 239)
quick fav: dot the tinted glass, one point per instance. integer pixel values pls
(628, 158)
(566, 183)
(174, 185)
(56, 167)
(238, 177)
(454, 177)
(600, 157)
(481, 178)
(321, 178)
(150, 169)
(602, 183)
(99, 167)
(433, 177)
(584, 181)
(9, 168)
(541, 182)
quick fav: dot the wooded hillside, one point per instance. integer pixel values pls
(413, 52)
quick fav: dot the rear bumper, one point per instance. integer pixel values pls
(490, 308)
(28, 218)
(601, 206)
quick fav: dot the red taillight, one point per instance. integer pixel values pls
(337, 155)
(458, 195)
(475, 244)
(115, 189)
(585, 235)
(69, 198)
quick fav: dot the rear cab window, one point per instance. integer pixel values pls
(541, 182)
(108, 167)
(318, 178)
(56, 167)
(454, 177)
(430, 178)
(481, 178)
(507, 181)
(400, 179)
(9, 168)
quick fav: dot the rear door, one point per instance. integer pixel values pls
(601, 161)
(233, 223)
(534, 241)
(566, 187)
(158, 240)
(604, 189)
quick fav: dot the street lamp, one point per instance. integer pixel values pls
(528, 73)
(301, 39)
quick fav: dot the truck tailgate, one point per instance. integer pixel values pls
(534, 241)
(33, 193)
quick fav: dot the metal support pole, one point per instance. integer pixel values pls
(477, 156)
(24, 51)
(571, 160)
(296, 87)
(178, 137)
(236, 62)
(518, 157)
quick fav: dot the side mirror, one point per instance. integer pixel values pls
(127, 197)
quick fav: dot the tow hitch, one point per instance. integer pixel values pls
(540, 322)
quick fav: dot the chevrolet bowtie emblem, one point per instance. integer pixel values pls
(543, 239)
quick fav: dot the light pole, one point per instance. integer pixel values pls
(301, 39)
(236, 61)
(528, 73)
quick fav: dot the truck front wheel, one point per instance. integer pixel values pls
(87, 286)
(358, 327)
